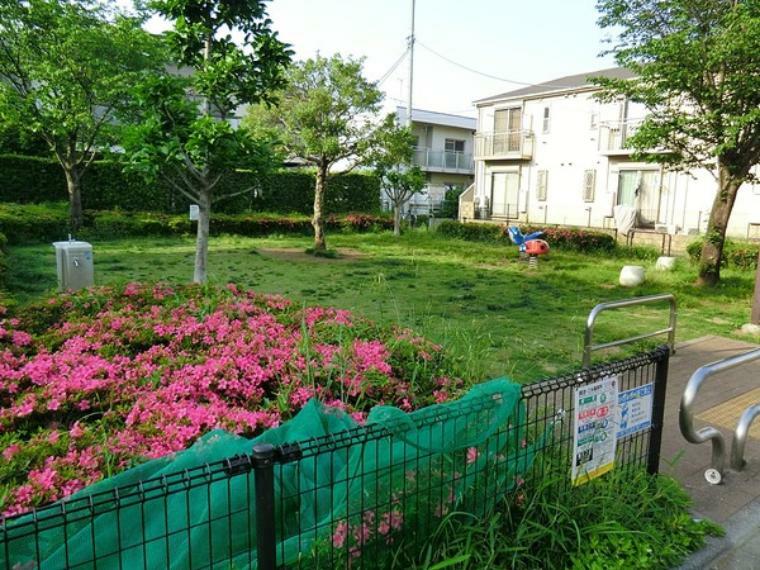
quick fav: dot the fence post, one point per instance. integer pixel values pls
(658, 413)
(263, 468)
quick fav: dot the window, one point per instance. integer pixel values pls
(454, 145)
(589, 185)
(543, 175)
(594, 120)
(547, 121)
(416, 141)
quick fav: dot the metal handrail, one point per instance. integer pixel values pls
(740, 436)
(714, 474)
(589, 347)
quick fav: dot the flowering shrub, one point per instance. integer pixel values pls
(560, 237)
(95, 382)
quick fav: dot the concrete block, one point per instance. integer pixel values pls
(632, 275)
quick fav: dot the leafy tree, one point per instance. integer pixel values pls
(65, 71)
(393, 159)
(325, 116)
(183, 131)
(698, 72)
(450, 204)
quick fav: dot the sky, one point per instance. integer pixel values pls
(527, 41)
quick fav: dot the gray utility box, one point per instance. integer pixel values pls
(74, 262)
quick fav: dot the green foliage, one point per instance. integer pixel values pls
(392, 158)
(565, 238)
(34, 180)
(698, 73)
(65, 71)
(450, 204)
(739, 254)
(325, 112)
(49, 222)
(473, 231)
(624, 520)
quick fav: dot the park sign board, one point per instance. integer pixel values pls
(594, 429)
(602, 416)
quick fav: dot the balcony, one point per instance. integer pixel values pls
(444, 161)
(509, 145)
(614, 136)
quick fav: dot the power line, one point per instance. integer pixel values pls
(497, 78)
(393, 67)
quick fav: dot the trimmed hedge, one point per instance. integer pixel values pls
(740, 254)
(564, 238)
(105, 186)
(49, 222)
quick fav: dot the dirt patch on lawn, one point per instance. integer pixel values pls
(296, 254)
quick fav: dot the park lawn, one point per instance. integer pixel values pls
(497, 316)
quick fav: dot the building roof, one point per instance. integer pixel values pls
(568, 82)
(435, 118)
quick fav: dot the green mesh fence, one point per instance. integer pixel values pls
(321, 491)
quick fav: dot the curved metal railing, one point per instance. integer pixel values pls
(589, 346)
(714, 474)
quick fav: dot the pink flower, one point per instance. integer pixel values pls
(21, 338)
(472, 455)
(76, 431)
(10, 451)
(340, 534)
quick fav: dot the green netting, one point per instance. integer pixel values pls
(398, 481)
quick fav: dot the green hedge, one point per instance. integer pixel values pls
(106, 187)
(740, 254)
(567, 238)
(24, 223)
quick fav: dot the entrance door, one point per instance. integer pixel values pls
(638, 188)
(504, 191)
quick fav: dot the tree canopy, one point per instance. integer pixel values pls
(66, 69)
(327, 113)
(184, 130)
(697, 71)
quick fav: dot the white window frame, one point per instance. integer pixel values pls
(542, 179)
(446, 143)
(589, 185)
(546, 122)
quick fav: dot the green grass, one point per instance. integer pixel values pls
(625, 520)
(493, 312)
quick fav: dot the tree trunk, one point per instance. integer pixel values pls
(74, 187)
(317, 221)
(396, 220)
(712, 250)
(200, 274)
(755, 318)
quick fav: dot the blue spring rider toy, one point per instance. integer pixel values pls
(520, 240)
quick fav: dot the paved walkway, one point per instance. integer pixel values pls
(735, 504)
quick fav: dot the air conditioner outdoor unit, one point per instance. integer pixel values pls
(74, 264)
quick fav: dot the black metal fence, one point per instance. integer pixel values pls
(356, 499)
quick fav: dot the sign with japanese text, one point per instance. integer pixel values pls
(635, 410)
(595, 429)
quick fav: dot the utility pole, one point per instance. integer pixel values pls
(755, 319)
(411, 71)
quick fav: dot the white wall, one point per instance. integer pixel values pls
(572, 146)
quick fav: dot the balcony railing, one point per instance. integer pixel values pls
(516, 144)
(614, 135)
(444, 160)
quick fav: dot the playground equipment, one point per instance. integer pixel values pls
(528, 245)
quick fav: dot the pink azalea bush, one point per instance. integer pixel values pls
(94, 383)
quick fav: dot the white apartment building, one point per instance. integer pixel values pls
(551, 153)
(444, 152)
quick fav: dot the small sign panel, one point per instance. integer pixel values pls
(595, 428)
(635, 410)
(195, 212)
